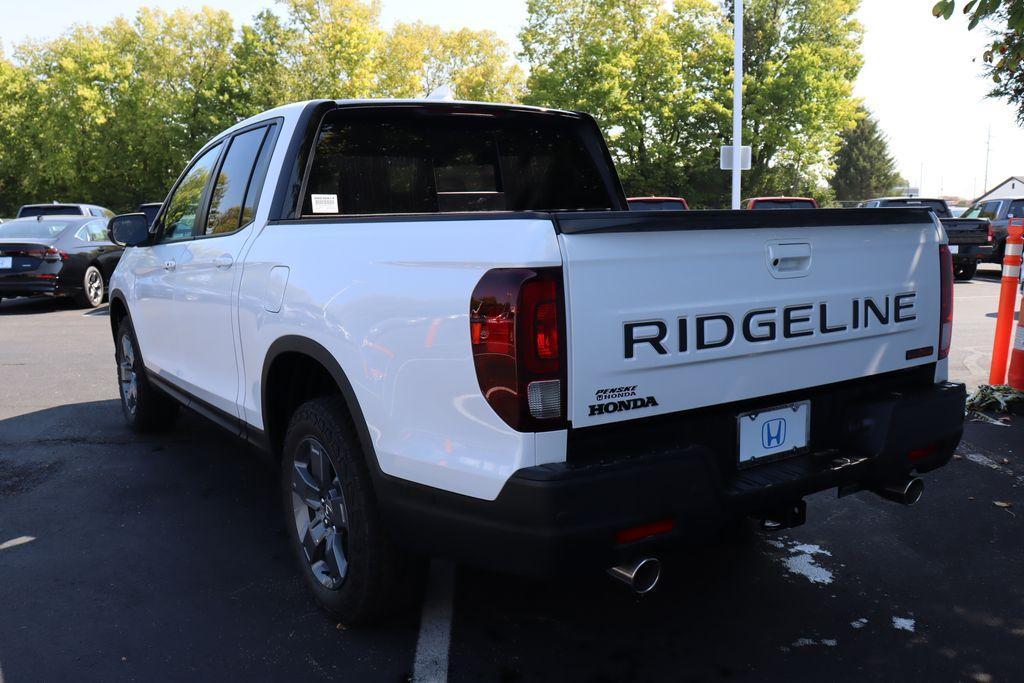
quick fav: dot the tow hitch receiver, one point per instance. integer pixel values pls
(785, 516)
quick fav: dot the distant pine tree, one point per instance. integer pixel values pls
(864, 166)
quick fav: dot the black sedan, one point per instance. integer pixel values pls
(57, 256)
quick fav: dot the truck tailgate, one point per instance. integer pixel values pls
(685, 310)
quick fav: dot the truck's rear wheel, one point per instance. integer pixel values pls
(965, 271)
(348, 562)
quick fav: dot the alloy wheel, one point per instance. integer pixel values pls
(321, 518)
(94, 286)
(126, 374)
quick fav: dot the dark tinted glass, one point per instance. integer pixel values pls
(184, 204)
(55, 210)
(34, 229)
(658, 205)
(259, 175)
(937, 206)
(1017, 208)
(419, 161)
(232, 181)
(783, 204)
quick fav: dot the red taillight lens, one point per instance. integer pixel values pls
(991, 236)
(50, 254)
(946, 301)
(516, 330)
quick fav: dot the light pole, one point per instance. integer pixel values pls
(737, 100)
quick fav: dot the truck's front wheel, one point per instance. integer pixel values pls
(353, 569)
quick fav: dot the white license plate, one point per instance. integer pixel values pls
(774, 432)
(954, 249)
(6, 262)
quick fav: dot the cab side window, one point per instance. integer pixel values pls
(1017, 208)
(227, 202)
(990, 210)
(185, 204)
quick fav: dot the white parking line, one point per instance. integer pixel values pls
(431, 663)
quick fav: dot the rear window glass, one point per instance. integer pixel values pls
(54, 210)
(939, 207)
(32, 229)
(783, 204)
(423, 161)
(656, 205)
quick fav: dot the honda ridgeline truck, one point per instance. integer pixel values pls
(444, 323)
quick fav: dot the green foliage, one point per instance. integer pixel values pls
(111, 114)
(864, 167)
(1005, 54)
(658, 80)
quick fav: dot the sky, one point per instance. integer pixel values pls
(921, 76)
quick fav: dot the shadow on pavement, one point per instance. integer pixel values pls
(158, 557)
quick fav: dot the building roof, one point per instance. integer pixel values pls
(995, 187)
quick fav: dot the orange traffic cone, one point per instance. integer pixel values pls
(1016, 377)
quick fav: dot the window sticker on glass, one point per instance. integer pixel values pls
(325, 203)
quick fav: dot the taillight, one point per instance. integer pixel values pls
(991, 236)
(516, 328)
(50, 254)
(945, 300)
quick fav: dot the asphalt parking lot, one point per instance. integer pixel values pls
(164, 558)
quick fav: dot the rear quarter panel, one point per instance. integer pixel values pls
(390, 301)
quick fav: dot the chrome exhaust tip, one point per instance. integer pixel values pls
(640, 575)
(906, 492)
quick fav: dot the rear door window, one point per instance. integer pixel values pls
(229, 192)
(414, 160)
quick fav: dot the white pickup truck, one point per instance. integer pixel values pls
(443, 321)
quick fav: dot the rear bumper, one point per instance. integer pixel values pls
(559, 518)
(22, 286)
(972, 252)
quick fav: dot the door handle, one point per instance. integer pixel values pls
(170, 265)
(223, 261)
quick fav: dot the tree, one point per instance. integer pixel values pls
(417, 58)
(111, 114)
(864, 166)
(658, 81)
(1005, 54)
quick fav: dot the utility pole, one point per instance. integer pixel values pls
(988, 153)
(737, 101)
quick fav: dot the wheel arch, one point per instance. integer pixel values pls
(286, 358)
(118, 311)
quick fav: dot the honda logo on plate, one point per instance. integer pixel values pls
(773, 433)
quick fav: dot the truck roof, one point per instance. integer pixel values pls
(294, 109)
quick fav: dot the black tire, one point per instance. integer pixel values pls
(965, 271)
(354, 571)
(94, 289)
(145, 408)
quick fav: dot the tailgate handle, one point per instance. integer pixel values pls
(789, 259)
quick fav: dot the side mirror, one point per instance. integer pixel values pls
(128, 229)
(1009, 215)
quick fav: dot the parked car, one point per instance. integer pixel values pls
(760, 203)
(57, 209)
(999, 211)
(970, 239)
(57, 256)
(150, 209)
(657, 204)
(367, 291)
